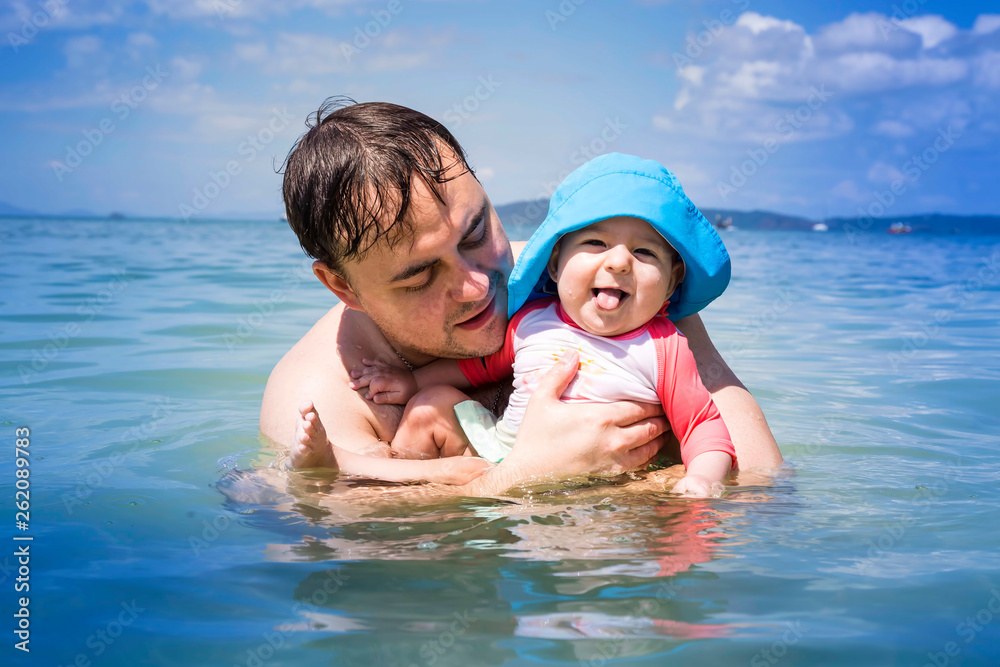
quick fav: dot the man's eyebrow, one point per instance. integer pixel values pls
(417, 269)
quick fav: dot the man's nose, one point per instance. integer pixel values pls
(474, 284)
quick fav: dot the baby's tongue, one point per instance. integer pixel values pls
(608, 298)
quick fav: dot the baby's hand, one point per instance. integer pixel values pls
(386, 384)
(698, 486)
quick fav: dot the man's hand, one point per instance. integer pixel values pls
(567, 439)
(386, 384)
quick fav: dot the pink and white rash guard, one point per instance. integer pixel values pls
(651, 364)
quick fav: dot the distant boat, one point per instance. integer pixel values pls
(820, 227)
(116, 216)
(721, 224)
(900, 228)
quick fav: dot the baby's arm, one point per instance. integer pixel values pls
(706, 446)
(312, 448)
(394, 385)
(704, 475)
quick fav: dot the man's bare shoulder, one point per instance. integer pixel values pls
(317, 369)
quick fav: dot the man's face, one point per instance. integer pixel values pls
(440, 291)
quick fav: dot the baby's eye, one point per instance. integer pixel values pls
(645, 251)
(594, 242)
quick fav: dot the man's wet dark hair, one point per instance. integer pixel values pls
(347, 180)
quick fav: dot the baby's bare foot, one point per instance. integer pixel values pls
(312, 449)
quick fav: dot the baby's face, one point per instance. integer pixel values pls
(614, 275)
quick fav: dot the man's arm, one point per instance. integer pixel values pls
(752, 438)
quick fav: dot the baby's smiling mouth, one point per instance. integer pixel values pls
(609, 298)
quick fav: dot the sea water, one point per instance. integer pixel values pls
(164, 533)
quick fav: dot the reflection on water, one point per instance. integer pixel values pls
(606, 562)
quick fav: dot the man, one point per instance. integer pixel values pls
(383, 199)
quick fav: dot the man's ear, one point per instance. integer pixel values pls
(553, 265)
(337, 284)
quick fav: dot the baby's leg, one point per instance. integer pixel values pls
(429, 428)
(312, 448)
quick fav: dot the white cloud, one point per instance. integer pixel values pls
(849, 190)
(758, 24)
(310, 54)
(871, 71)
(140, 40)
(988, 70)
(761, 71)
(304, 54)
(894, 129)
(75, 15)
(690, 174)
(82, 51)
(256, 52)
(692, 73)
(932, 29)
(986, 23)
(184, 69)
(223, 10)
(881, 173)
(866, 32)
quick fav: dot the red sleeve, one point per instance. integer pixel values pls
(687, 403)
(499, 365)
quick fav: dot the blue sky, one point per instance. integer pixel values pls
(166, 108)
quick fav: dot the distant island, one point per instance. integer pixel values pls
(521, 218)
(526, 215)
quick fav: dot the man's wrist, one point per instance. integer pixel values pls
(498, 480)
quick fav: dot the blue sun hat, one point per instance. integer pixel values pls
(616, 185)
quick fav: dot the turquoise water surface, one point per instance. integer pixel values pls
(164, 534)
